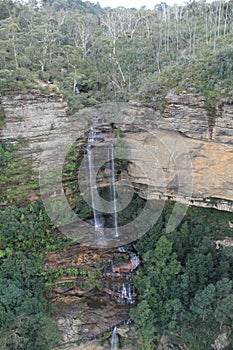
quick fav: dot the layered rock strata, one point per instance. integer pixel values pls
(84, 308)
(182, 149)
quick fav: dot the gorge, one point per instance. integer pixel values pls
(174, 151)
(116, 189)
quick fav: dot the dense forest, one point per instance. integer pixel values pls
(185, 284)
(91, 55)
(116, 54)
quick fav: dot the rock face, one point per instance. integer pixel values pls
(40, 120)
(184, 153)
(193, 168)
(84, 309)
(183, 150)
(87, 318)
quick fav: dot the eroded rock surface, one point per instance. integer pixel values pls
(39, 119)
(194, 144)
(85, 308)
(87, 318)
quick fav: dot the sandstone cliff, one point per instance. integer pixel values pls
(180, 149)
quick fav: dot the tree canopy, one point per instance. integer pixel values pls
(116, 53)
(25, 315)
(185, 282)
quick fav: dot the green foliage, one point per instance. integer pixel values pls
(185, 283)
(6, 8)
(28, 230)
(70, 165)
(16, 176)
(25, 236)
(200, 75)
(116, 54)
(6, 154)
(24, 315)
(83, 210)
(132, 210)
(222, 63)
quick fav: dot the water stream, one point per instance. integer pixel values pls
(114, 191)
(98, 222)
(100, 153)
(114, 340)
(118, 283)
(118, 279)
(134, 258)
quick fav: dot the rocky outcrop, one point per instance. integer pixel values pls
(87, 318)
(182, 152)
(84, 309)
(183, 149)
(223, 127)
(193, 168)
(186, 114)
(40, 120)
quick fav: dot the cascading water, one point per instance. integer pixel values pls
(99, 151)
(102, 181)
(126, 294)
(119, 284)
(98, 222)
(114, 340)
(135, 261)
(114, 191)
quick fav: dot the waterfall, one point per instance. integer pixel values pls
(114, 340)
(92, 177)
(135, 261)
(130, 299)
(98, 150)
(114, 191)
(122, 250)
(124, 292)
(119, 284)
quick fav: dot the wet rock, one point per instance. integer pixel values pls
(84, 309)
(87, 318)
(94, 270)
